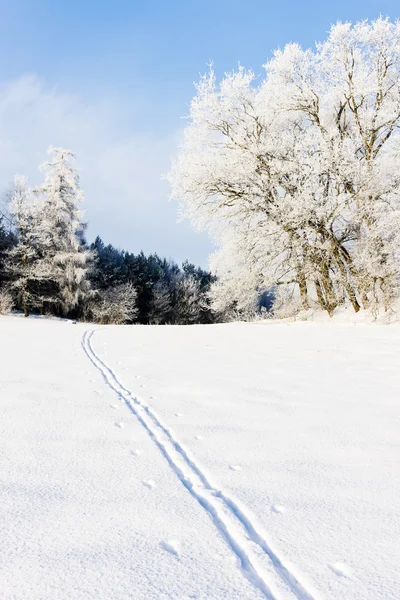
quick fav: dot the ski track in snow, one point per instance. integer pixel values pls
(260, 563)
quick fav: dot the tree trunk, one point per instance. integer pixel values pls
(303, 291)
(330, 296)
(347, 286)
(320, 295)
(25, 304)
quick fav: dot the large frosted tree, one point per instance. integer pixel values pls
(298, 174)
(65, 258)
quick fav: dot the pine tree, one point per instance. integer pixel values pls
(65, 259)
(22, 258)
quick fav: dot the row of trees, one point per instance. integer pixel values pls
(46, 266)
(298, 174)
(165, 292)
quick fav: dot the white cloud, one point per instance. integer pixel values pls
(126, 200)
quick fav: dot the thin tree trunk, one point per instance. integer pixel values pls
(320, 294)
(24, 299)
(25, 304)
(346, 284)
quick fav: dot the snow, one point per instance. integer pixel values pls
(291, 493)
(172, 546)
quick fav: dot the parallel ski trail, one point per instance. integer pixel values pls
(275, 578)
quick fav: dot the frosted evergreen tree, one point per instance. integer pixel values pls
(22, 264)
(7, 240)
(65, 259)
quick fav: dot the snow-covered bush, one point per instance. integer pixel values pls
(298, 174)
(113, 305)
(6, 301)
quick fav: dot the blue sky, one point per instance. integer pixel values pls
(111, 80)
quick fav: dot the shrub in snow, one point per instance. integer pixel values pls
(113, 305)
(6, 302)
(298, 174)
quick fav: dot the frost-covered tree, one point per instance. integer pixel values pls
(22, 263)
(236, 290)
(7, 240)
(298, 174)
(6, 301)
(160, 309)
(115, 304)
(65, 259)
(186, 300)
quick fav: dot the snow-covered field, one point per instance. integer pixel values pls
(241, 461)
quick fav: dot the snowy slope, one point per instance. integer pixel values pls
(239, 461)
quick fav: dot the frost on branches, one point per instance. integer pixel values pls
(116, 304)
(6, 301)
(48, 264)
(160, 310)
(65, 258)
(21, 266)
(187, 300)
(298, 174)
(178, 301)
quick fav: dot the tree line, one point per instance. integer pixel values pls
(47, 266)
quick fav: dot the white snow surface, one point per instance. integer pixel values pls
(251, 461)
